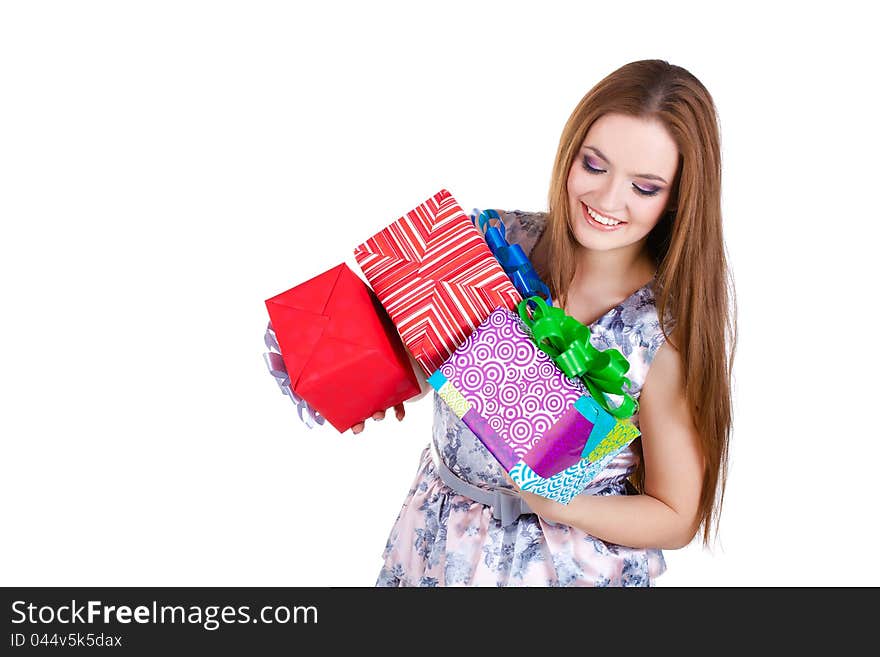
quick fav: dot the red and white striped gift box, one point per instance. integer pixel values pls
(436, 277)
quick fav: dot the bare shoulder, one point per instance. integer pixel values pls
(670, 442)
(665, 378)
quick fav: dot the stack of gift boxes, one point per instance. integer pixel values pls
(450, 294)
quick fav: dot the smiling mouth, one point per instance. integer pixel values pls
(599, 221)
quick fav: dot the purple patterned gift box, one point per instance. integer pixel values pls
(540, 425)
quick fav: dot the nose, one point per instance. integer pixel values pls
(610, 195)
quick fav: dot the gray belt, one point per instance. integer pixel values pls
(506, 505)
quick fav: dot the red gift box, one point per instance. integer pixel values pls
(435, 275)
(341, 350)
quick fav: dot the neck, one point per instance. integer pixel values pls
(615, 273)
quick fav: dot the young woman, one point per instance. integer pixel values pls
(632, 235)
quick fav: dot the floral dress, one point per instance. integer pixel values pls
(441, 538)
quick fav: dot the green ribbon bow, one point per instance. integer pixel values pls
(567, 342)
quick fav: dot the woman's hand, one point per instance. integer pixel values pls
(399, 412)
(544, 507)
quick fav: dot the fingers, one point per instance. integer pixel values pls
(399, 413)
(512, 482)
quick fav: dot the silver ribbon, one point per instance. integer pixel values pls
(507, 505)
(275, 363)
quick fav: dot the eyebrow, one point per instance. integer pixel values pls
(649, 176)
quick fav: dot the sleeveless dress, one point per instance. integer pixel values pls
(441, 538)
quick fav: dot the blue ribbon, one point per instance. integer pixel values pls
(511, 257)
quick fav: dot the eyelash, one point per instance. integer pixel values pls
(638, 189)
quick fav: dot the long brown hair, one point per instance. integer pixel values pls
(693, 288)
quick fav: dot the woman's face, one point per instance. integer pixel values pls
(624, 172)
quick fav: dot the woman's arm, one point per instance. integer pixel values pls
(400, 410)
(666, 515)
(424, 386)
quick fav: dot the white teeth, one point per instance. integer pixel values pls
(601, 219)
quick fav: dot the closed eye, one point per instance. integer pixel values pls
(639, 190)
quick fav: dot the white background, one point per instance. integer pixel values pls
(167, 166)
